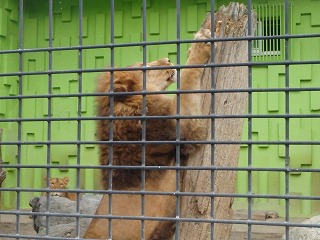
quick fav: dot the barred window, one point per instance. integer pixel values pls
(269, 24)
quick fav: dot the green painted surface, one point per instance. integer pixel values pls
(9, 87)
(161, 26)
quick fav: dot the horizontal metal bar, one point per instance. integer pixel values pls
(163, 193)
(208, 65)
(253, 142)
(202, 168)
(124, 167)
(181, 219)
(152, 43)
(246, 90)
(211, 116)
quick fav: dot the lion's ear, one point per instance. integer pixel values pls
(124, 85)
(120, 86)
(66, 179)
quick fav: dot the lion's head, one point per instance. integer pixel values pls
(132, 81)
(158, 79)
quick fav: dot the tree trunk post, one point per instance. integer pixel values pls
(230, 21)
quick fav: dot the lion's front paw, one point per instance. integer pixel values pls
(203, 33)
(200, 52)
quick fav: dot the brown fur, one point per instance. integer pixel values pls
(60, 183)
(155, 154)
(130, 205)
(131, 130)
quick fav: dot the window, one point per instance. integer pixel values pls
(269, 23)
(269, 47)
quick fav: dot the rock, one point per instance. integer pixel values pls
(63, 226)
(305, 233)
(34, 203)
(61, 230)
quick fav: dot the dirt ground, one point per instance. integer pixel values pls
(8, 226)
(239, 232)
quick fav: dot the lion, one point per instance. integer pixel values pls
(163, 153)
(57, 183)
(60, 183)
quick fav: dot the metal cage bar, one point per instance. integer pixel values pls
(111, 99)
(20, 105)
(144, 113)
(178, 160)
(284, 59)
(249, 133)
(213, 85)
(287, 119)
(50, 67)
(79, 122)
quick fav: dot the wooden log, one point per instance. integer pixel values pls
(230, 21)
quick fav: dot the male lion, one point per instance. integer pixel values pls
(155, 154)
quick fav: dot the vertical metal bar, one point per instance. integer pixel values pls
(111, 99)
(260, 30)
(267, 33)
(263, 22)
(213, 85)
(270, 32)
(250, 202)
(79, 125)
(282, 44)
(287, 118)
(144, 110)
(20, 90)
(178, 160)
(255, 42)
(273, 32)
(277, 28)
(50, 62)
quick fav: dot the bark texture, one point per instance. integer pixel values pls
(230, 21)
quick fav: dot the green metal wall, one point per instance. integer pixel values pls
(304, 19)
(128, 28)
(9, 87)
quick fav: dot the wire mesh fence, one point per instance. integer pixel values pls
(51, 53)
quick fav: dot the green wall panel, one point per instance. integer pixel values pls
(304, 20)
(9, 87)
(96, 30)
(161, 25)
